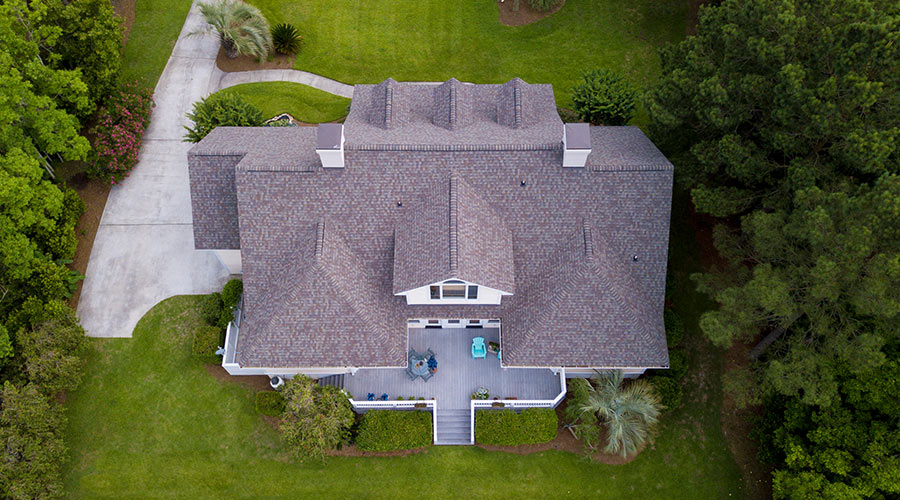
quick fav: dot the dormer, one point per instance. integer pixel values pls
(388, 105)
(452, 105)
(450, 247)
(515, 108)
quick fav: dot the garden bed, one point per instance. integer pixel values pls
(248, 63)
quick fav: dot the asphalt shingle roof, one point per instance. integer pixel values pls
(450, 232)
(571, 306)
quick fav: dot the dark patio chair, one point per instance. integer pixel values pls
(410, 374)
(427, 376)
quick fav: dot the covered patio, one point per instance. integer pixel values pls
(457, 376)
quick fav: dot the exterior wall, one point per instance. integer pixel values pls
(422, 296)
(231, 259)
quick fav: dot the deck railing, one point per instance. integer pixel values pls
(231, 335)
(401, 405)
(500, 404)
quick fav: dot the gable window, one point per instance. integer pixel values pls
(454, 291)
(435, 292)
(473, 292)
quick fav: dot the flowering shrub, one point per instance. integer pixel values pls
(116, 137)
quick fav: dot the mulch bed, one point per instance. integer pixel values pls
(525, 14)
(247, 63)
(258, 382)
(125, 9)
(94, 194)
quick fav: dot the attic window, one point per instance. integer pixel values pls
(454, 291)
(435, 292)
(473, 292)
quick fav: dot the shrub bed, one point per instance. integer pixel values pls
(506, 427)
(669, 391)
(116, 138)
(386, 430)
(205, 343)
(270, 403)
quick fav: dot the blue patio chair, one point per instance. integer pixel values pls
(479, 350)
(371, 396)
(384, 397)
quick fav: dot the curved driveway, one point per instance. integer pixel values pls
(144, 248)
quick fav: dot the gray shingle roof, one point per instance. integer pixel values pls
(415, 116)
(623, 199)
(450, 232)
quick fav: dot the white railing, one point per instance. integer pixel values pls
(231, 335)
(487, 404)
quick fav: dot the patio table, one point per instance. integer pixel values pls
(418, 364)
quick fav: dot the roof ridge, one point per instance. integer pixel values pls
(320, 239)
(517, 107)
(454, 222)
(452, 118)
(388, 107)
(588, 238)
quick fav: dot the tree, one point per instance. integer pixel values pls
(771, 97)
(221, 110)
(604, 98)
(33, 117)
(90, 41)
(828, 272)
(629, 412)
(53, 348)
(242, 29)
(848, 449)
(316, 418)
(31, 432)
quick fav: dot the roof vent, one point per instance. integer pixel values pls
(330, 144)
(576, 144)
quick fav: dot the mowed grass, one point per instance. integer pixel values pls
(151, 40)
(303, 102)
(150, 422)
(365, 41)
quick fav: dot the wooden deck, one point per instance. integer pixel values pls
(458, 375)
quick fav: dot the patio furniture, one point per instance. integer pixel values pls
(384, 397)
(478, 348)
(419, 365)
(371, 396)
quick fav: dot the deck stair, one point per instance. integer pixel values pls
(453, 427)
(333, 380)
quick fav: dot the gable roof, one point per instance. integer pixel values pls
(450, 232)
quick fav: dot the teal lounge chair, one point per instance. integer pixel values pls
(479, 350)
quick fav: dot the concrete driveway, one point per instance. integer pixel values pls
(144, 248)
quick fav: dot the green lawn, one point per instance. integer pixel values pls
(366, 41)
(154, 32)
(302, 101)
(150, 422)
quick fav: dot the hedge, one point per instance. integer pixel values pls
(506, 427)
(270, 403)
(205, 343)
(674, 329)
(211, 308)
(231, 292)
(386, 430)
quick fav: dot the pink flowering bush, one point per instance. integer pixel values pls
(116, 137)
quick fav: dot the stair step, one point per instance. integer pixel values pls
(453, 443)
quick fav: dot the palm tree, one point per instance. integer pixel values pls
(242, 28)
(629, 412)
